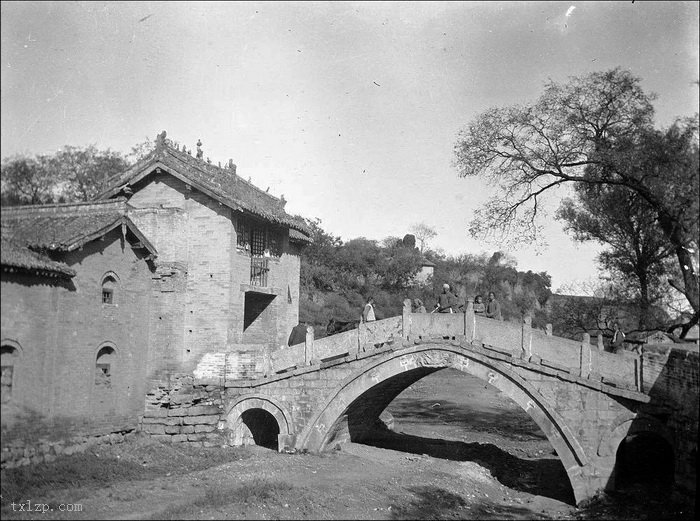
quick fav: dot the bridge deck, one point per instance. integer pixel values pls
(513, 343)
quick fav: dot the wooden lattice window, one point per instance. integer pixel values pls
(242, 232)
(257, 242)
(257, 238)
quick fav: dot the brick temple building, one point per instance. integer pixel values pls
(104, 301)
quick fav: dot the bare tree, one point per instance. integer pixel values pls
(423, 233)
(595, 129)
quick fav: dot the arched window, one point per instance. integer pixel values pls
(8, 360)
(109, 287)
(104, 367)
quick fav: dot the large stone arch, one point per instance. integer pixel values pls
(413, 364)
(234, 420)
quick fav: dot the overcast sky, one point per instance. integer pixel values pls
(349, 109)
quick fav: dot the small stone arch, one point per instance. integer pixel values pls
(630, 425)
(435, 356)
(257, 412)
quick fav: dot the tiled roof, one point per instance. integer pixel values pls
(223, 184)
(66, 227)
(14, 255)
(297, 236)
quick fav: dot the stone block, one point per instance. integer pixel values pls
(187, 429)
(154, 428)
(156, 412)
(204, 428)
(285, 442)
(210, 419)
(203, 410)
(164, 438)
(147, 419)
(179, 438)
(172, 429)
(195, 437)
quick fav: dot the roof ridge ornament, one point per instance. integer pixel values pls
(160, 140)
(200, 153)
(231, 165)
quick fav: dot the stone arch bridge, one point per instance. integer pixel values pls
(586, 401)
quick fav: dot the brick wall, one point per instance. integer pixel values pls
(61, 327)
(671, 378)
(199, 291)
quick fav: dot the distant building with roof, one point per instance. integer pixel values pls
(174, 260)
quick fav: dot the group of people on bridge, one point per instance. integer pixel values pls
(448, 302)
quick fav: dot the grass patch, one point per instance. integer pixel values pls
(430, 502)
(253, 492)
(257, 492)
(104, 465)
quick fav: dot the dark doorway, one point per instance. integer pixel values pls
(263, 427)
(644, 459)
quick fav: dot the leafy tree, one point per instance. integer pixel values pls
(72, 174)
(318, 262)
(595, 129)
(423, 233)
(27, 181)
(399, 265)
(85, 170)
(638, 253)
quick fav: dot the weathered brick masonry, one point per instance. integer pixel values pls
(222, 279)
(58, 332)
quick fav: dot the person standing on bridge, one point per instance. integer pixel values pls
(616, 346)
(368, 312)
(418, 306)
(493, 308)
(479, 306)
(447, 301)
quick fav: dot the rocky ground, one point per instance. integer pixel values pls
(459, 450)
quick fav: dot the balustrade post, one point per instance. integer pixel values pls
(639, 370)
(469, 320)
(526, 340)
(309, 346)
(586, 361)
(406, 320)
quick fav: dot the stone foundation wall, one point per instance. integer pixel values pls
(18, 452)
(179, 411)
